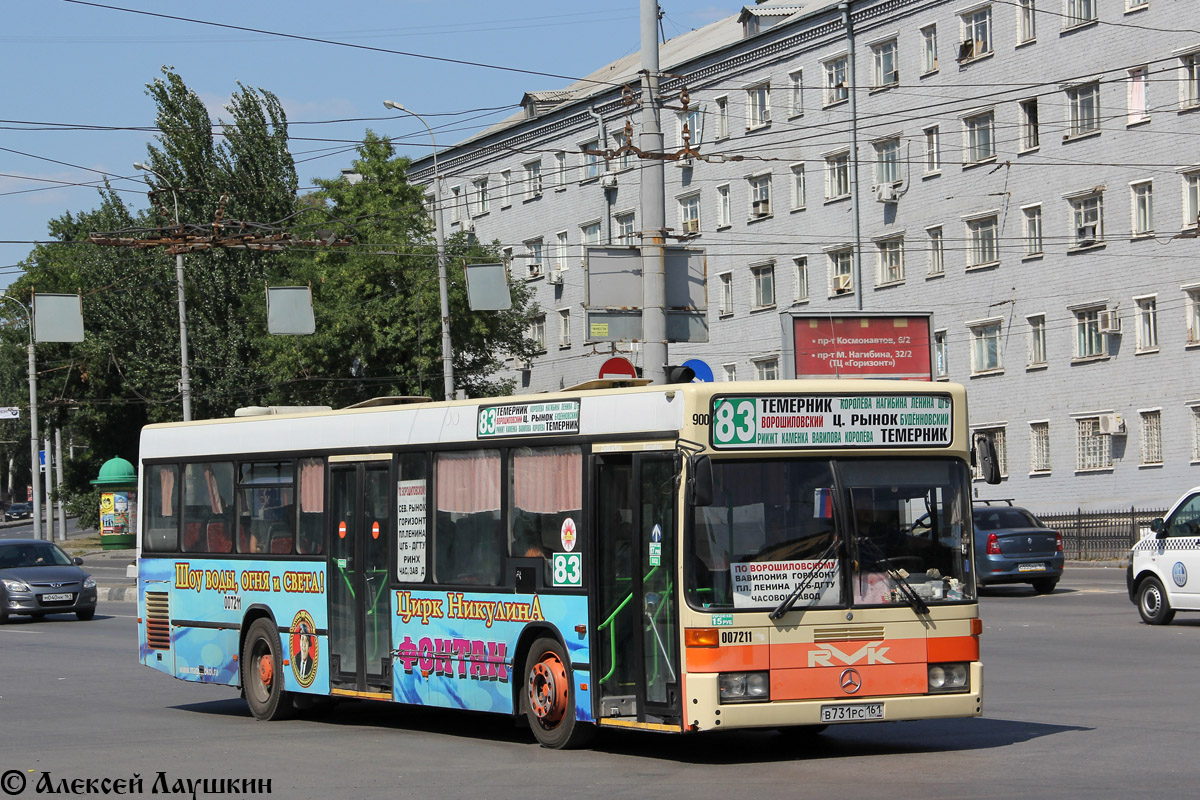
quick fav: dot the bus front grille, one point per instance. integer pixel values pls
(158, 621)
(848, 633)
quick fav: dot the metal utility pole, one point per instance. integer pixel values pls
(34, 477)
(653, 202)
(58, 475)
(49, 489)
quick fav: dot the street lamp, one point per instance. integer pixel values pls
(443, 290)
(185, 377)
(34, 460)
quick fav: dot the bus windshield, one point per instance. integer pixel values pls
(849, 531)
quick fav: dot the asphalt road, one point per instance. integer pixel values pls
(1081, 701)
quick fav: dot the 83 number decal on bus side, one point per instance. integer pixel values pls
(735, 420)
(568, 569)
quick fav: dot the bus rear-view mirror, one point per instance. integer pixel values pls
(700, 481)
(985, 455)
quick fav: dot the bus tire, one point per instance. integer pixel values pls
(1152, 603)
(549, 697)
(262, 673)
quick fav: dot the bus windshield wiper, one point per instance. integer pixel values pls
(910, 595)
(794, 595)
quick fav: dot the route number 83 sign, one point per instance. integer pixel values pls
(568, 569)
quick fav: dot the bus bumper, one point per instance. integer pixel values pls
(707, 713)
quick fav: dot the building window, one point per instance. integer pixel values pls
(1087, 215)
(1134, 5)
(726, 307)
(724, 215)
(985, 347)
(722, 114)
(564, 327)
(929, 56)
(933, 150)
(533, 180)
(1039, 447)
(590, 231)
(560, 250)
(758, 106)
(1093, 451)
(533, 257)
(506, 255)
(624, 224)
(1028, 124)
(537, 332)
(1037, 341)
(841, 272)
(1079, 12)
(890, 260)
(887, 162)
(976, 34)
(937, 251)
(1152, 437)
(798, 188)
(1089, 341)
(689, 214)
(982, 247)
(796, 98)
(1139, 107)
(1195, 433)
(1147, 325)
(836, 86)
(730, 372)
(1190, 85)
(764, 285)
(1142, 201)
(837, 176)
(979, 131)
(760, 196)
(1192, 312)
(506, 190)
(455, 204)
(1084, 107)
(800, 280)
(1026, 21)
(483, 203)
(693, 123)
(1000, 442)
(560, 169)
(766, 369)
(884, 70)
(625, 159)
(1191, 199)
(941, 355)
(591, 162)
(1031, 230)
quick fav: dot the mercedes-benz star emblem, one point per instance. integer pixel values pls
(851, 681)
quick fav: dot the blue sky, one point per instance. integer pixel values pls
(74, 70)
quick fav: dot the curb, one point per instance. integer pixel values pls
(117, 594)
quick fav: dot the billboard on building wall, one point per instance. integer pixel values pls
(859, 345)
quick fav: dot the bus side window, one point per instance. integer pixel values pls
(311, 509)
(161, 526)
(469, 537)
(544, 492)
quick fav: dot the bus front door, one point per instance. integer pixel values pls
(360, 639)
(637, 631)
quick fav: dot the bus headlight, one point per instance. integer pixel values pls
(744, 687)
(948, 678)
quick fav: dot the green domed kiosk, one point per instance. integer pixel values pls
(118, 504)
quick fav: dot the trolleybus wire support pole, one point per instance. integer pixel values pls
(35, 476)
(652, 195)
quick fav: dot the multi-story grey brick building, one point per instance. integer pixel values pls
(1026, 170)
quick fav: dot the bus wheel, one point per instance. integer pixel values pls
(262, 673)
(550, 697)
(1152, 603)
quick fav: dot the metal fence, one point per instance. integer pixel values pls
(1100, 535)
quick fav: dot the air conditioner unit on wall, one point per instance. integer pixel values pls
(554, 277)
(1085, 235)
(1112, 425)
(521, 363)
(608, 181)
(1110, 321)
(761, 208)
(691, 226)
(841, 284)
(886, 193)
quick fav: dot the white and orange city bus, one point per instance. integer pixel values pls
(674, 558)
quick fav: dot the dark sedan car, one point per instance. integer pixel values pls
(19, 511)
(37, 578)
(1013, 546)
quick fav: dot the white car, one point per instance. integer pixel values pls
(1164, 566)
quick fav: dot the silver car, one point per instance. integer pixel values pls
(37, 578)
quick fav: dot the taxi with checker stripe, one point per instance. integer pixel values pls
(1164, 566)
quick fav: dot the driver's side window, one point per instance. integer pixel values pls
(1186, 519)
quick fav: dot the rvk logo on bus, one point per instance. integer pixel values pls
(1179, 573)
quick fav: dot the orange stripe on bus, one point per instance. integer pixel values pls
(728, 659)
(953, 648)
(826, 682)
